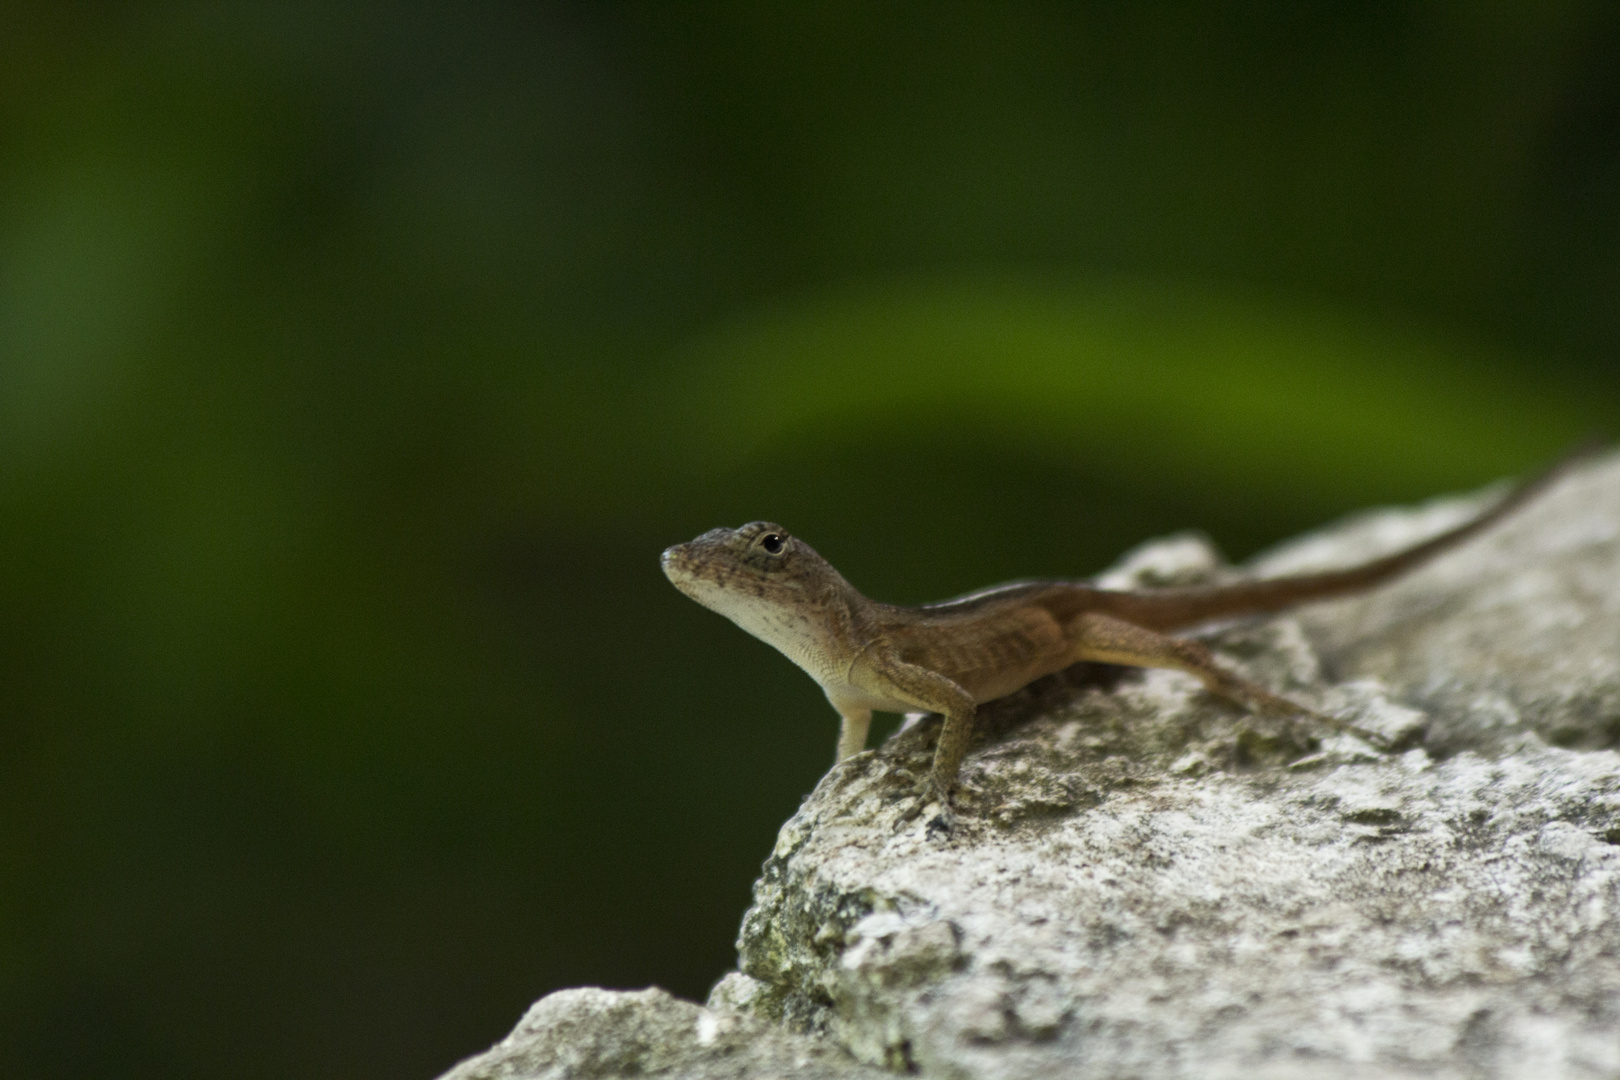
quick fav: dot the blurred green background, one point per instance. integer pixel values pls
(358, 359)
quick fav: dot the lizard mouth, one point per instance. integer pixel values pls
(674, 564)
(687, 565)
(683, 570)
(686, 572)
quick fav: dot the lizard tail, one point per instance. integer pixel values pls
(1171, 609)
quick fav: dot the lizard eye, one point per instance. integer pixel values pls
(771, 542)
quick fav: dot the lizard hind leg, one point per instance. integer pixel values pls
(1103, 638)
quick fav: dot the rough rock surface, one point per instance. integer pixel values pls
(589, 1033)
(1141, 881)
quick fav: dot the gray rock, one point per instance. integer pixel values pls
(1142, 881)
(589, 1033)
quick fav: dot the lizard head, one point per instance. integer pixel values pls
(759, 563)
(765, 580)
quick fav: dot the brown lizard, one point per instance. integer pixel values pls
(949, 657)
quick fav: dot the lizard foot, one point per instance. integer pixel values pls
(1377, 740)
(920, 794)
(1305, 724)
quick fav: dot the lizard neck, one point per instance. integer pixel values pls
(827, 631)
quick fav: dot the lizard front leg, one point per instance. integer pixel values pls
(852, 730)
(921, 688)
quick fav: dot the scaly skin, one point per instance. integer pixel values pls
(949, 657)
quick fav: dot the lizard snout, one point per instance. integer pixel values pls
(681, 564)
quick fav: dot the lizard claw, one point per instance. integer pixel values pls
(1376, 739)
(919, 795)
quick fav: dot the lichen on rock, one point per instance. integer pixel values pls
(1142, 880)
